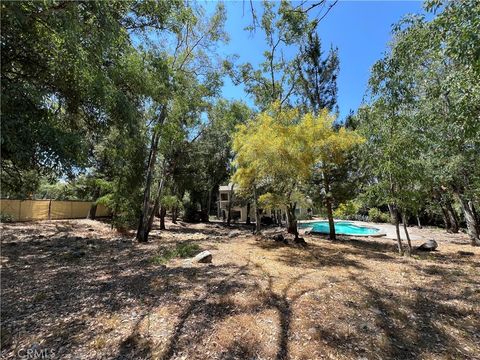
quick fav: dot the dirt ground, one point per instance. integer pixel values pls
(78, 290)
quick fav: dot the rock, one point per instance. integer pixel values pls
(234, 233)
(203, 257)
(430, 245)
(465, 253)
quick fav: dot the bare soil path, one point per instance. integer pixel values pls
(78, 290)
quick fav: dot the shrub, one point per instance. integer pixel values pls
(5, 218)
(347, 211)
(376, 215)
(185, 250)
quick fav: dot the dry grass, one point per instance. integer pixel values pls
(88, 292)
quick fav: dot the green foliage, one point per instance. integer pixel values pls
(181, 250)
(204, 164)
(317, 81)
(170, 202)
(18, 183)
(347, 210)
(54, 83)
(375, 215)
(422, 120)
(5, 218)
(190, 209)
(276, 77)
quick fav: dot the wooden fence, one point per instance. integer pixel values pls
(28, 210)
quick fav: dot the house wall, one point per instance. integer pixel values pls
(223, 206)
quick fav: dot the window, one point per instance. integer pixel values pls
(224, 196)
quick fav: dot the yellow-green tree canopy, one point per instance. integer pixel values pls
(280, 149)
(321, 144)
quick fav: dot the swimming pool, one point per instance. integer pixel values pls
(341, 228)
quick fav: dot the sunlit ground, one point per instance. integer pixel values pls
(81, 290)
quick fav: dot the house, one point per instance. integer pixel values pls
(239, 212)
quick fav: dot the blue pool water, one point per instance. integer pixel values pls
(341, 228)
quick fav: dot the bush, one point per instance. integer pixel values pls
(375, 215)
(5, 218)
(347, 211)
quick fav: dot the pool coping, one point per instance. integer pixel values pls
(379, 234)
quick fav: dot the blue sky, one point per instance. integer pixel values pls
(360, 30)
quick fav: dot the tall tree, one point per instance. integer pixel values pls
(281, 151)
(191, 70)
(327, 150)
(283, 26)
(317, 75)
(425, 107)
(72, 70)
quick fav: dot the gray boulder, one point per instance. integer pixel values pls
(430, 245)
(203, 257)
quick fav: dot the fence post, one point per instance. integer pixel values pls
(50, 209)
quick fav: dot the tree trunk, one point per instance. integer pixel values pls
(209, 203)
(257, 211)
(391, 210)
(454, 224)
(143, 228)
(156, 206)
(174, 214)
(142, 232)
(419, 224)
(475, 215)
(409, 243)
(248, 213)
(470, 219)
(229, 209)
(155, 212)
(92, 213)
(328, 204)
(163, 212)
(279, 217)
(292, 220)
(397, 229)
(446, 219)
(203, 210)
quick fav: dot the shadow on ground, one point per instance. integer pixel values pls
(57, 287)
